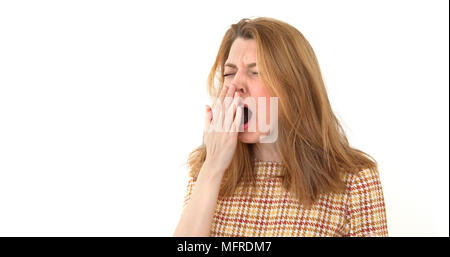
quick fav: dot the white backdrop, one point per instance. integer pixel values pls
(101, 101)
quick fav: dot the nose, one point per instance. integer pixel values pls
(240, 88)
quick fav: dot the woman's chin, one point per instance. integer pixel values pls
(248, 137)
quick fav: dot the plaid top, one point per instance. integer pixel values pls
(272, 211)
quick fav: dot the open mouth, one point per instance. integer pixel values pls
(247, 115)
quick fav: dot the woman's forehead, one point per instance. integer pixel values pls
(242, 52)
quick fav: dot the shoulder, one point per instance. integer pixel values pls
(362, 179)
(365, 208)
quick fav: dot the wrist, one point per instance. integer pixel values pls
(212, 171)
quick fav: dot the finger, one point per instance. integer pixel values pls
(231, 90)
(223, 93)
(231, 111)
(208, 118)
(218, 103)
(217, 116)
(238, 119)
(236, 101)
(229, 96)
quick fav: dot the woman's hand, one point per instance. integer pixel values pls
(222, 128)
(220, 137)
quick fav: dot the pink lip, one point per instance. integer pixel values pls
(246, 124)
(244, 128)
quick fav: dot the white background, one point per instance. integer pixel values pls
(101, 101)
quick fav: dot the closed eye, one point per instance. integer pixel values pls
(225, 75)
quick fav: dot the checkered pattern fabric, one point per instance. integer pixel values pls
(269, 210)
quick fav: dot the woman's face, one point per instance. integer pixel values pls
(242, 72)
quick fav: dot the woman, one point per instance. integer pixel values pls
(306, 182)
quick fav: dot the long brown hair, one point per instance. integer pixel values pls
(312, 144)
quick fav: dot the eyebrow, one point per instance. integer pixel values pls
(251, 65)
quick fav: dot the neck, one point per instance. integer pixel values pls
(266, 152)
